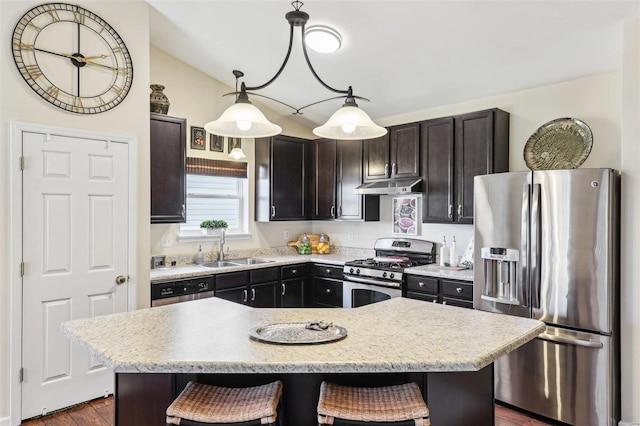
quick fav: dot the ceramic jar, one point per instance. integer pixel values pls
(159, 101)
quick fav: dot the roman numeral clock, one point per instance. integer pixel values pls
(72, 58)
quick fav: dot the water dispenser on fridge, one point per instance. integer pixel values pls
(500, 267)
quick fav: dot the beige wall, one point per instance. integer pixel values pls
(19, 103)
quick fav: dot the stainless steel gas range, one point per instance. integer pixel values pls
(379, 278)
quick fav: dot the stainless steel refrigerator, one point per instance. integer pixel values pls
(546, 247)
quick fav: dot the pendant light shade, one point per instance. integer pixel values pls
(349, 123)
(237, 154)
(243, 120)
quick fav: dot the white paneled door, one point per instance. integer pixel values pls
(75, 248)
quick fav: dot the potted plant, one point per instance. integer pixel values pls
(209, 225)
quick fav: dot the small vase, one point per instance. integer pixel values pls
(159, 101)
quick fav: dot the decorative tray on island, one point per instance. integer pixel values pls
(298, 333)
(563, 143)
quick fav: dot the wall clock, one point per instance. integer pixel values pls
(72, 58)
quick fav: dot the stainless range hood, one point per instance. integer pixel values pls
(388, 187)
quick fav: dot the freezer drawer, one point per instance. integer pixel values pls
(564, 375)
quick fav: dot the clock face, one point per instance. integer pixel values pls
(72, 58)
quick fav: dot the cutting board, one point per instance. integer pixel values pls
(313, 239)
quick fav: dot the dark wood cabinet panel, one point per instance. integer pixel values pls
(327, 271)
(232, 279)
(295, 271)
(263, 295)
(324, 179)
(264, 274)
(439, 290)
(236, 295)
(404, 145)
(281, 167)
(327, 293)
(454, 151)
(292, 293)
(376, 158)
(437, 169)
(168, 139)
(350, 171)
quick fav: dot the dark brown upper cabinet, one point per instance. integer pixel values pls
(168, 151)
(395, 155)
(281, 178)
(337, 170)
(454, 151)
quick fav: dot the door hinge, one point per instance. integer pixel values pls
(22, 269)
(21, 375)
(22, 162)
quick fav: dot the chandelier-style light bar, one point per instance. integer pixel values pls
(242, 119)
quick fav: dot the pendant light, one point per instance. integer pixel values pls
(242, 119)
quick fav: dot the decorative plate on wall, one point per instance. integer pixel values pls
(563, 143)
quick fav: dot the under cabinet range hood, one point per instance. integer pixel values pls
(388, 187)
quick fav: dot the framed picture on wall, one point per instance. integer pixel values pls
(234, 143)
(198, 137)
(216, 143)
(406, 214)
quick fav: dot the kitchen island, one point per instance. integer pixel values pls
(448, 351)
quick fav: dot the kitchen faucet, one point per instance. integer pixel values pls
(222, 243)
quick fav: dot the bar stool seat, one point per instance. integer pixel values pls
(384, 406)
(200, 404)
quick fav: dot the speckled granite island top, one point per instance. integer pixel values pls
(211, 336)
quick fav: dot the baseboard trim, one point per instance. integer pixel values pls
(622, 423)
(5, 421)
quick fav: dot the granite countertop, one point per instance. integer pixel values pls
(186, 271)
(211, 336)
(441, 272)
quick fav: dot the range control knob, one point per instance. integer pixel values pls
(358, 271)
(384, 275)
(351, 271)
(391, 275)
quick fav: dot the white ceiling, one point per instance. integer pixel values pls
(403, 55)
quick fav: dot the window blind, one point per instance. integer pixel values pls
(209, 167)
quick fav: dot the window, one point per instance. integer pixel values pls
(216, 197)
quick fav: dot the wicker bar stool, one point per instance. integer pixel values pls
(200, 405)
(400, 405)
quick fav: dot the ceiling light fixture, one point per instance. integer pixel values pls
(237, 154)
(322, 39)
(242, 119)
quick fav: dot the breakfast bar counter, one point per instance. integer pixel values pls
(449, 351)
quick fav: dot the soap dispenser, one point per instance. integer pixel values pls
(444, 253)
(453, 253)
(199, 260)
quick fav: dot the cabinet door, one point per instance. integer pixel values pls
(474, 156)
(288, 183)
(236, 295)
(292, 293)
(327, 293)
(168, 137)
(405, 150)
(437, 169)
(324, 179)
(349, 177)
(263, 295)
(376, 158)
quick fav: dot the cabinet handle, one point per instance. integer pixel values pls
(386, 169)
(294, 271)
(327, 291)
(459, 210)
(421, 284)
(333, 211)
(328, 271)
(458, 289)
(340, 211)
(183, 211)
(253, 294)
(273, 211)
(450, 211)
(284, 289)
(444, 302)
(244, 296)
(434, 301)
(394, 169)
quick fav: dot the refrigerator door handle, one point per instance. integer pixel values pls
(535, 238)
(570, 341)
(525, 243)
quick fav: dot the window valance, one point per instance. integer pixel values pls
(209, 167)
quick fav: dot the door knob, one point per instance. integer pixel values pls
(121, 279)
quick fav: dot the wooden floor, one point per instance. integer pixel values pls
(99, 412)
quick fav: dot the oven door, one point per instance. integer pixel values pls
(356, 294)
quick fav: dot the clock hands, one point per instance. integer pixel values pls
(77, 57)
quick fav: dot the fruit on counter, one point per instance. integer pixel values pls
(305, 245)
(323, 248)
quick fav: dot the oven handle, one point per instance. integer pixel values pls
(371, 281)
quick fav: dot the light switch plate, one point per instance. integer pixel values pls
(287, 235)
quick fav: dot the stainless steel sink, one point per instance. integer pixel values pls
(219, 264)
(250, 261)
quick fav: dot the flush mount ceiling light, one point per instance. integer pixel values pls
(322, 39)
(242, 119)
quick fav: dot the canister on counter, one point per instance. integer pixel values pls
(324, 246)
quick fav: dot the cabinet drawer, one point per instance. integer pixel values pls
(232, 279)
(422, 284)
(294, 271)
(422, 296)
(327, 292)
(457, 289)
(327, 271)
(457, 302)
(264, 275)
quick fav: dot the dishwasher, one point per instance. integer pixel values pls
(183, 290)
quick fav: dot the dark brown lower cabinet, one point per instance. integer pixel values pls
(327, 286)
(237, 287)
(440, 290)
(292, 293)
